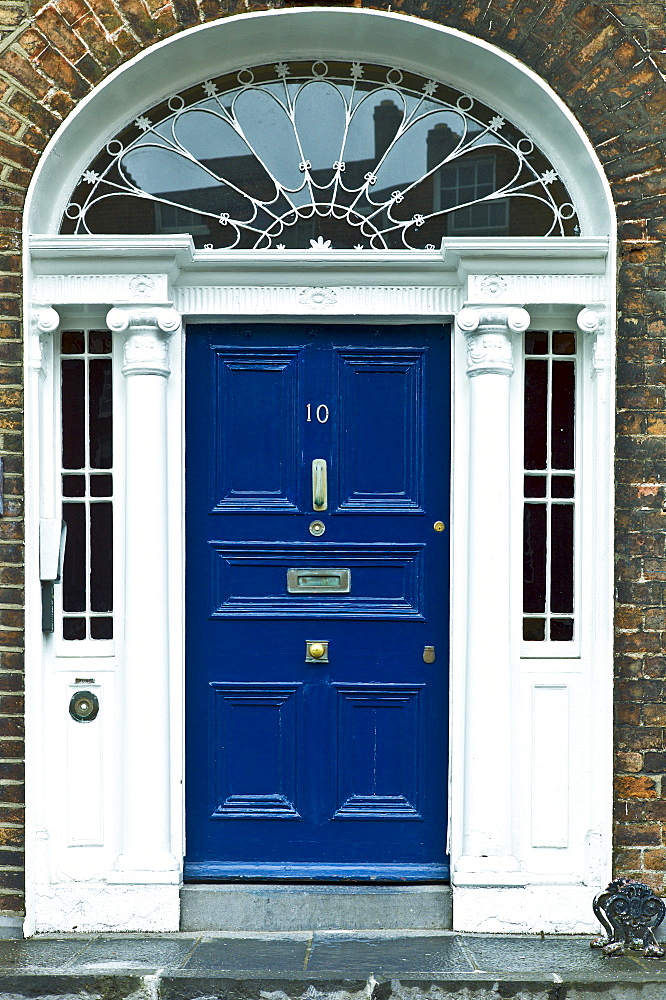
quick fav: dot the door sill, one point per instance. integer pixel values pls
(196, 871)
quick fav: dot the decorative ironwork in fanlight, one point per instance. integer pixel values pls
(321, 155)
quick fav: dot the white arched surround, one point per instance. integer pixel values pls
(501, 761)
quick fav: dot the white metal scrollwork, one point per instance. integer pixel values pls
(321, 155)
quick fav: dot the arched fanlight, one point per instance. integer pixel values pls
(338, 155)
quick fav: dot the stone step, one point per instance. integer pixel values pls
(315, 907)
(322, 966)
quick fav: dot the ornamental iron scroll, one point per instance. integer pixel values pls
(630, 913)
(321, 155)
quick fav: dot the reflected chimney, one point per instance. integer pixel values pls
(388, 119)
(441, 141)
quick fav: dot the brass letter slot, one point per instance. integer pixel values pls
(318, 580)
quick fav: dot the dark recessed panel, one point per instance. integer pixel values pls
(378, 777)
(255, 392)
(254, 751)
(252, 579)
(381, 439)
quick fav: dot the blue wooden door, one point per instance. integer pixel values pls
(325, 761)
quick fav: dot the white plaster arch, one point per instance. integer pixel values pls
(249, 39)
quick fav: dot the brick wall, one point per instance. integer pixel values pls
(608, 63)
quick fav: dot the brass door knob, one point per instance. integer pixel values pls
(316, 650)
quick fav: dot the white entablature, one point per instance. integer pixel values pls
(71, 270)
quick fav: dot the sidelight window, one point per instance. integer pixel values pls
(87, 484)
(549, 485)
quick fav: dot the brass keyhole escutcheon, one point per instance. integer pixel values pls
(439, 526)
(316, 651)
(317, 528)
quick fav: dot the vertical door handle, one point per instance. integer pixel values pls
(319, 484)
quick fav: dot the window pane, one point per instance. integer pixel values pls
(562, 445)
(101, 557)
(536, 342)
(74, 628)
(534, 629)
(101, 628)
(561, 565)
(74, 486)
(561, 629)
(534, 558)
(564, 342)
(72, 342)
(99, 342)
(101, 486)
(73, 415)
(74, 565)
(562, 487)
(536, 410)
(535, 486)
(101, 454)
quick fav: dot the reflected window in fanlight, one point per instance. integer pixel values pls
(338, 155)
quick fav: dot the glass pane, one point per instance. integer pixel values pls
(561, 629)
(535, 486)
(562, 439)
(73, 415)
(561, 560)
(99, 342)
(72, 342)
(101, 486)
(564, 342)
(562, 487)
(534, 629)
(101, 452)
(74, 565)
(536, 342)
(101, 557)
(534, 558)
(74, 628)
(101, 628)
(74, 486)
(536, 409)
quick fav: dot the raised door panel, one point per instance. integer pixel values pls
(256, 438)
(381, 401)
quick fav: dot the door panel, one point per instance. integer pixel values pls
(299, 767)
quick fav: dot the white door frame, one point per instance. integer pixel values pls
(146, 289)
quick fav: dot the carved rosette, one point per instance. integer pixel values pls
(147, 333)
(489, 334)
(45, 321)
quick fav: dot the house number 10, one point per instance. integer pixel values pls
(321, 413)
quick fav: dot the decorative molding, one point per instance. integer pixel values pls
(592, 321)
(45, 321)
(488, 332)
(346, 300)
(147, 333)
(103, 288)
(535, 288)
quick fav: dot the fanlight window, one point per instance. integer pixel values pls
(321, 154)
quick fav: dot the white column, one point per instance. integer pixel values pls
(146, 815)
(487, 835)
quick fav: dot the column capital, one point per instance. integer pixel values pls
(147, 333)
(591, 320)
(489, 330)
(44, 321)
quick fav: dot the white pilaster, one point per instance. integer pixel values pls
(487, 842)
(146, 855)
